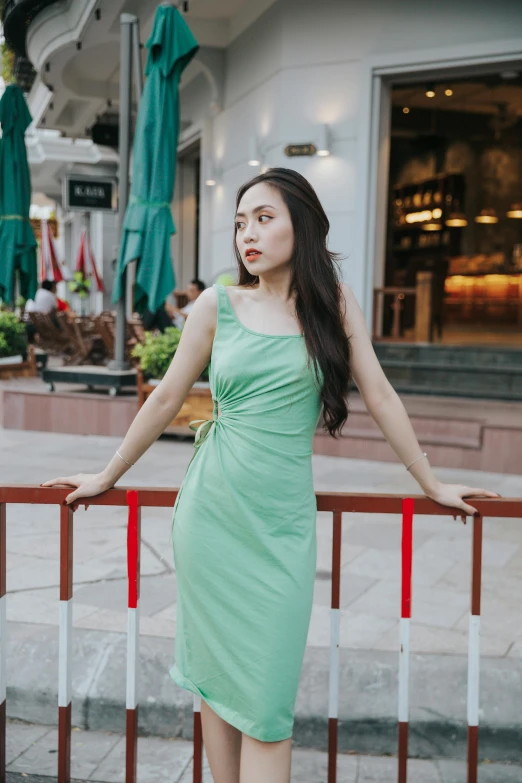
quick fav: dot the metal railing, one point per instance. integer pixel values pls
(337, 503)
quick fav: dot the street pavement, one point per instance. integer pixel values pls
(370, 600)
(97, 756)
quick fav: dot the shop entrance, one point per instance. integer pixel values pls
(444, 220)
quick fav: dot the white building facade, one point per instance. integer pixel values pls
(276, 72)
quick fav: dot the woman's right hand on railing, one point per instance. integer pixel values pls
(87, 485)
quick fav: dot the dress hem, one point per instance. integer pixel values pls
(230, 716)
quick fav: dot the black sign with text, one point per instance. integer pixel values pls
(87, 193)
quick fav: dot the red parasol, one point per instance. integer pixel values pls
(49, 265)
(85, 262)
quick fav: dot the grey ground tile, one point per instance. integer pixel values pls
(156, 593)
(311, 766)
(374, 768)
(456, 772)
(20, 737)
(87, 750)
(157, 758)
(352, 586)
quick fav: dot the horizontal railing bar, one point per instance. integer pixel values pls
(361, 502)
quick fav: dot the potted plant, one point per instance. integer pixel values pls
(155, 356)
(14, 347)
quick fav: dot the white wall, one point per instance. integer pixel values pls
(300, 65)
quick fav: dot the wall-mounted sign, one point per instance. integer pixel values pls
(90, 193)
(294, 150)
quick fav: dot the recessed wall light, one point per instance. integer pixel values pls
(405, 110)
(448, 92)
(430, 91)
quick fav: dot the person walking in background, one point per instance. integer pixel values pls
(180, 314)
(285, 344)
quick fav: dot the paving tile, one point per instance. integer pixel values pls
(431, 605)
(20, 737)
(457, 547)
(110, 620)
(358, 631)
(87, 750)
(157, 758)
(352, 586)
(456, 772)
(156, 593)
(40, 606)
(311, 766)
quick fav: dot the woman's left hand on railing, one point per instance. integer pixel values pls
(453, 495)
(87, 486)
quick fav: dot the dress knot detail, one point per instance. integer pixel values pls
(202, 427)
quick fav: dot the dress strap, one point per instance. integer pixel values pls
(225, 309)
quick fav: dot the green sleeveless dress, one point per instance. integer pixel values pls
(244, 531)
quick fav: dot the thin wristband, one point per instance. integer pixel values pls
(130, 464)
(416, 460)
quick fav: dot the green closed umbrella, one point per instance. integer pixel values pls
(148, 222)
(17, 242)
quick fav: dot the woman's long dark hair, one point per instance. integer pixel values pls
(316, 287)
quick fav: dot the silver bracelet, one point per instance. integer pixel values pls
(130, 464)
(416, 460)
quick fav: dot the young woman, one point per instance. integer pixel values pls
(284, 345)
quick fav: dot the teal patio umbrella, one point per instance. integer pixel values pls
(17, 242)
(148, 222)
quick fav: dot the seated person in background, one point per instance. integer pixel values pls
(159, 319)
(45, 300)
(180, 314)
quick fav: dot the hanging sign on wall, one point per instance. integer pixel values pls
(90, 193)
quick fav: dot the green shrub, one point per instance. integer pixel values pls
(13, 337)
(155, 354)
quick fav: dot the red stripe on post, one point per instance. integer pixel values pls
(407, 552)
(332, 750)
(66, 553)
(336, 558)
(197, 767)
(476, 566)
(3, 549)
(403, 752)
(472, 754)
(131, 756)
(2, 742)
(64, 744)
(133, 548)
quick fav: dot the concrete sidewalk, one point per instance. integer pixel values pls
(369, 608)
(100, 757)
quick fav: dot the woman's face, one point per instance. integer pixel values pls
(263, 222)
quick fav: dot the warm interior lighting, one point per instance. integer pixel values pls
(418, 217)
(486, 216)
(448, 92)
(515, 211)
(405, 110)
(437, 213)
(430, 91)
(457, 220)
(432, 226)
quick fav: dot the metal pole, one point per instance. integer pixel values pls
(126, 26)
(138, 73)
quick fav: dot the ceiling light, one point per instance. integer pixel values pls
(430, 91)
(457, 220)
(509, 74)
(448, 92)
(211, 175)
(405, 110)
(486, 216)
(515, 211)
(323, 143)
(432, 226)
(254, 158)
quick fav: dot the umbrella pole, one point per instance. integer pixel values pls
(127, 21)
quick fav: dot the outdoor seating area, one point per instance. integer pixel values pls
(83, 339)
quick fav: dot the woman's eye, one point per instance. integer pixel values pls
(262, 216)
(238, 225)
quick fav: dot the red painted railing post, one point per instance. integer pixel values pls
(197, 764)
(335, 624)
(474, 650)
(3, 637)
(404, 655)
(133, 633)
(65, 645)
